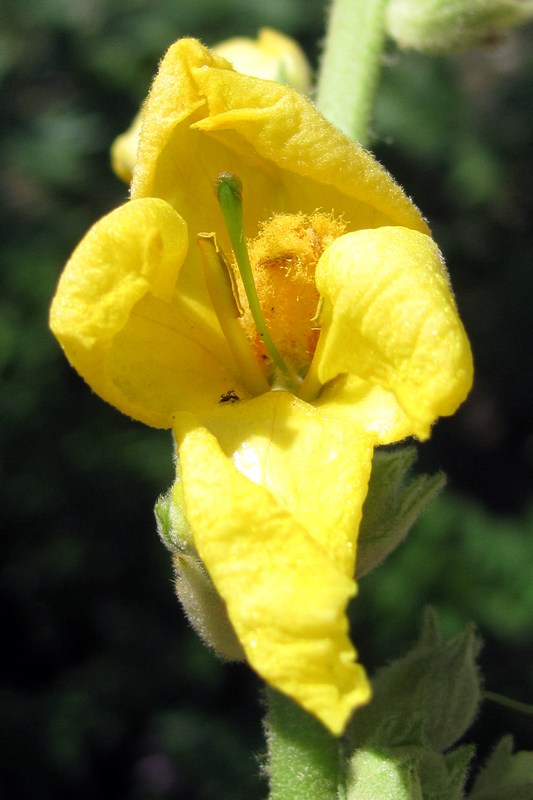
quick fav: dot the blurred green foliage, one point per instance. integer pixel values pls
(105, 692)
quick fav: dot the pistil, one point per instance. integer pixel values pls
(229, 193)
(311, 385)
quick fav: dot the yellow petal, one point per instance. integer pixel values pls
(272, 56)
(123, 325)
(311, 163)
(286, 597)
(203, 118)
(295, 450)
(393, 322)
(369, 407)
(288, 156)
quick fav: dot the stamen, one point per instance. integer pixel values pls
(224, 297)
(229, 193)
(311, 384)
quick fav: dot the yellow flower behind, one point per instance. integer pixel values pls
(273, 481)
(272, 56)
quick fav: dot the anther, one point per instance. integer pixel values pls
(225, 299)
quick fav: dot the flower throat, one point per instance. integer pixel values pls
(276, 270)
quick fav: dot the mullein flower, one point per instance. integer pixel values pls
(332, 329)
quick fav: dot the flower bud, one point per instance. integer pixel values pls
(203, 606)
(205, 609)
(272, 56)
(124, 150)
(441, 26)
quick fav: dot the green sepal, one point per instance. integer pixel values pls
(505, 776)
(172, 524)
(443, 777)
(423, 703)
(203, 606)
(442, 26)
(393, 503)
(427, 698)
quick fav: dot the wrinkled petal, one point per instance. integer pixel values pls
(202, 118)
(286, 584)
(272, 56)
(124, 326)
(312, 164)
(391, 320)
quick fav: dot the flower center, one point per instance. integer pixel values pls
(274, 339)
(283, 259)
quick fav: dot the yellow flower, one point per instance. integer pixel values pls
(124, 150)
(272, 56)
(273, 482)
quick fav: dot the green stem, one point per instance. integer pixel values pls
(508, 702)
(304, 759)
(350, 65)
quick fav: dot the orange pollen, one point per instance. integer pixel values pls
(283, 257)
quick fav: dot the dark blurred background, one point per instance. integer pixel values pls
(105, 692)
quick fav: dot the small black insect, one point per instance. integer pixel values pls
(229, 397)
